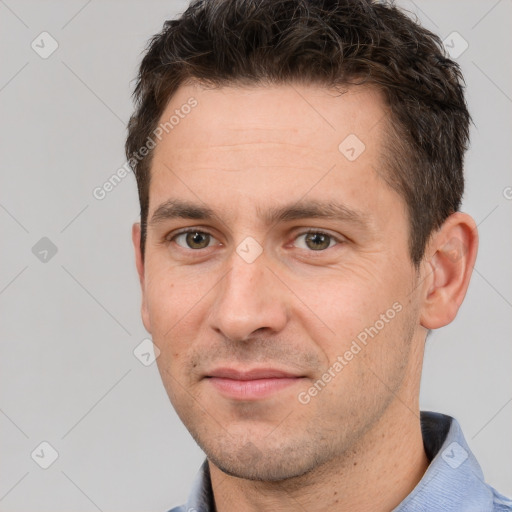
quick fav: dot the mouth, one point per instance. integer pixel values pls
(253, 384)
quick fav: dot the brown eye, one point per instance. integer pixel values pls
(194, 239)
(316, 241)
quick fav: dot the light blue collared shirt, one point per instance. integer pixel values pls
(453, 482)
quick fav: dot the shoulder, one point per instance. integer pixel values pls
(501, 503)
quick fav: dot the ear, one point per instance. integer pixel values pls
(139, 263)
(449, 261)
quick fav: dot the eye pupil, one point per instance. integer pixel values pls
(194, 239)
(320, 241)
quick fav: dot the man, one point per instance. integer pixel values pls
(299, 167)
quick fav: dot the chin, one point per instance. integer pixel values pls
(265, 464)
(263, 471)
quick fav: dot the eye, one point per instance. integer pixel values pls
(317, 241)
(193, 239)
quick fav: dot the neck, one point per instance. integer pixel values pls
(376, 475)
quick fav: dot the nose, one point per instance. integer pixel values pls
(249, 298)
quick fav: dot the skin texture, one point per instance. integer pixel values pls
(356, 444)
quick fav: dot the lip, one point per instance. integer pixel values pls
(252, 374)
(253, 384)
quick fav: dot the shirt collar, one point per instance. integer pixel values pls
(454, 481)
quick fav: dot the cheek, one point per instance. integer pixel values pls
(177, 300)
(345, 302)
(363, 376)
(361, 318)
(169, 294)
(168, 305)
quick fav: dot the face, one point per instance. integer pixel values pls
(277, 282)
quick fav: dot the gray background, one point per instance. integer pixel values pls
(70, 324)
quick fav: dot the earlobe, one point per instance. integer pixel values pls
(452, 253)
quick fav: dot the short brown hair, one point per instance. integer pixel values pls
(331, 43)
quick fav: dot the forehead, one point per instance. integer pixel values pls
(307, 117)
(270, 143)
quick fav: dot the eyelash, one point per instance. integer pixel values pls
(169, 239)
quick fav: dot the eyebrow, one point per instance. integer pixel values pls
(181, 209)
